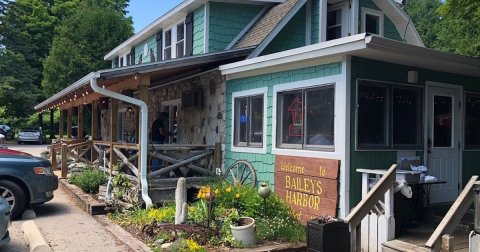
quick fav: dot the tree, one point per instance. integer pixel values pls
(424, 15)
(83, 39)
(460, 29)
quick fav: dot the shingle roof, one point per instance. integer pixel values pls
(265, 25)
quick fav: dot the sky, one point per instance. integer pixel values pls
(145, 12)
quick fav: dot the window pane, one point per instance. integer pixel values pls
(472, 120)
(291, 117)
(372, 24)
(372, 116)
(180, 49)
(407, 116)
(168, 53)
(334, 32)
(320, 116)
(168, 38)
(180, 32)
(256, 119)
(442, 126)
(240, 121)
(334, 18)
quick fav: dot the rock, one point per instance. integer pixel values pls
(166, 245)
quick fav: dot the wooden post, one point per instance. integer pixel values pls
(447, 243)
(80, 122)
(53, 153)
(60, 127)
(52, 134)
(142, 95)
(69, 122)
(64, 160)
(94, 129)
(113, 129)
(217, 157)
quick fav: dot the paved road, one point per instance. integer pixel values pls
(65, 226)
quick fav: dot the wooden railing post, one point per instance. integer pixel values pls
(64, 160)
(53, 153)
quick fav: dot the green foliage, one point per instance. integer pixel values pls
(280, 229)
(140, 217)
(122, 183)
(89, 180)
(83, 39)
(186, 245)
(424, 15)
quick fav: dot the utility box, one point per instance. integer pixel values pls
(328, 236)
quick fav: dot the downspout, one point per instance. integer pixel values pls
(143, 136)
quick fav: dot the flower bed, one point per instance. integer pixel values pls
(209, 218)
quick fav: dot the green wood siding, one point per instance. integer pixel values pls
(199, 30)
(264, 163)
(383, 71)
(226, 21)
(291, 36)
(152, 44)
(315, 21)
(389, 29)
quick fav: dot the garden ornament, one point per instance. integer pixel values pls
(181, 206)
(264, 191)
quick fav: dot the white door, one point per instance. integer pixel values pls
(443, 140)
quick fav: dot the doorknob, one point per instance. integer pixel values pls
(429, 145)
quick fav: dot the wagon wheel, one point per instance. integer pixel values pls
(241, 173)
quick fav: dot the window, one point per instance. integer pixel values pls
(372, 21)
(337, 21)
(248, 121)
(388, 116)
(306, 118)
(167, 51)
(472, 120)
(180, 40)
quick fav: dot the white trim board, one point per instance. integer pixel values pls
(372, 12)
(251, 92)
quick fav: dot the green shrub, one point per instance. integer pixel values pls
(89, 180)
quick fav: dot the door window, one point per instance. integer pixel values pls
(442, 121)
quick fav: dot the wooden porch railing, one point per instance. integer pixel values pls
(108, 153)
(374, 216)
(453, 216)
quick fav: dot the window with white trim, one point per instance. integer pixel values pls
(472, 120)
(372, 21)
(337, 21)
(248, 121)
(389, 115)
(180, 40)
(167, 45)
(306, 118)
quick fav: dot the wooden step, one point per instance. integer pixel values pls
(400, 246)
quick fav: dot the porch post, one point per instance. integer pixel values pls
(60, 127)
(52, 134)
(69, 122)
(94, 128)
(40, 120)
(113, 129)
(80, 122)
(142, 95)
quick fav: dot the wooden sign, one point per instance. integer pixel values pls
(308, 185)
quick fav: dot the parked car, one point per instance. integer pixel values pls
(7, 131)
(25, 180)
(30, 135)
(4, 221)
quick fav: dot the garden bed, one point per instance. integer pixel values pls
(207, 226)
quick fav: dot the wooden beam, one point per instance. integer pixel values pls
(94, 128)
(53, 154)
(454, 215)
(64, 160)
(80, 122)
(69, 123)
(447, 243)
(144, 96)
(52, 133)
(113, 130)
(62, 119)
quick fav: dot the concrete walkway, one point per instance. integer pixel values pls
(64, 225)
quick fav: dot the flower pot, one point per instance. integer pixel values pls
(245, 231)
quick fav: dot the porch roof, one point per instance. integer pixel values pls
(361, 45)
(160, 72)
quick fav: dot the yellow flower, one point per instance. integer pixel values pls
(237, 196)
(204, 192)
(193, 246)
(217, 191)
(228, 189)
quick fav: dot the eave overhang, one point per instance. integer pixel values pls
(118, 79)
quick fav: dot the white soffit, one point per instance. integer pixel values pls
(370, 47)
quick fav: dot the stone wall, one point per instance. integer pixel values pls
(200, 124)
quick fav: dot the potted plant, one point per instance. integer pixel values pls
(243, 229)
